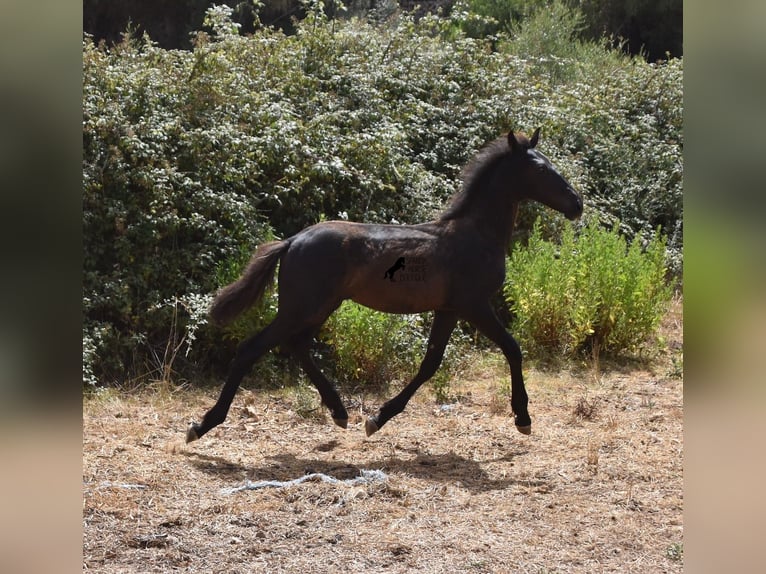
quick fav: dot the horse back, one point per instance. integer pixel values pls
(391, 268)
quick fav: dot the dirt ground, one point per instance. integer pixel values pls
(597, 487)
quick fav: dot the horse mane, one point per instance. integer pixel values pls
(476, 171)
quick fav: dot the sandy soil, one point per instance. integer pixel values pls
(597, 487)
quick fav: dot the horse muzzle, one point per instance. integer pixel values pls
(576, 210)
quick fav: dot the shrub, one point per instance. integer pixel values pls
(191, 159)
(165, 200)
(592, 290)
(608, 135)
(369, 349)
(482, 18)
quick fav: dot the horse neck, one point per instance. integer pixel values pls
(491, 212)
(498, 225)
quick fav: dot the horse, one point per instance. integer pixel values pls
(462, 255)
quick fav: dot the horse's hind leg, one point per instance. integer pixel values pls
(248, 352)
(441, 329)
(330, 397)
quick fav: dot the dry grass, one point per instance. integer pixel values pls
(596, 488)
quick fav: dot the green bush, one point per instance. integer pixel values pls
(593, 290)
(370, 349)
(493, 18)
(614, 123)
(159, 215)
(192, 158)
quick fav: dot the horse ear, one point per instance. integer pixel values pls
(535, 138)
(513, 143)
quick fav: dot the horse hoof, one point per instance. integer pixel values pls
(342, 423)
(371, 427)
(526, 429)
(191, 434)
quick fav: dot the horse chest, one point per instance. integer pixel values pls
(478, 268)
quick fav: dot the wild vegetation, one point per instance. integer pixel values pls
(192, 158)
(642, 27)
(591, 292)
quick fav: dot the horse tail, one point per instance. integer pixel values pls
(233, 299)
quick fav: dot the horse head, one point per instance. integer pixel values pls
(541, 181)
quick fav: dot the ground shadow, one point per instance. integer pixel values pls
(216, 465)
(447, 467)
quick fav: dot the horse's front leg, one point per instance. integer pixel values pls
(484, 319)
(441, 329)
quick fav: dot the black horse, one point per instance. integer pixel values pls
(463, 252)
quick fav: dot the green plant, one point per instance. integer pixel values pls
(550, 31)
(364, 348)
(372, 349)
(192, 158)
(676, 370)
(675, 551)
(480, 18)
(305, 400)
(592, 290)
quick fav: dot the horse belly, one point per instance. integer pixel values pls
(405, 292)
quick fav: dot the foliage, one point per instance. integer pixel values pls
(486, 18)
(592, 290)
(611, 121)
(550, 34)
(642, 27)
(172, 23)
(648, 27)
(192, 158)
(369, 349)
(372, 349)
